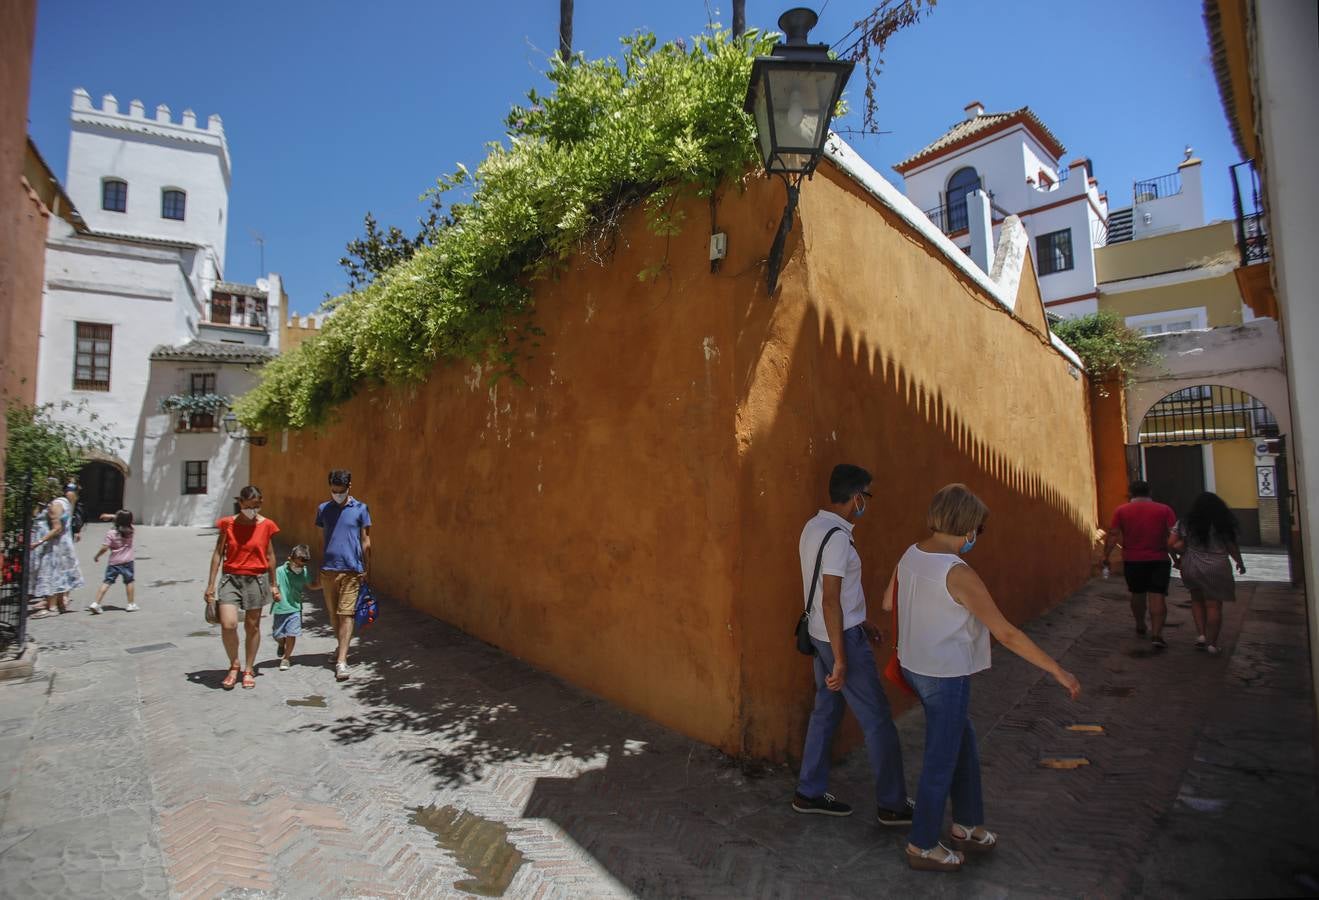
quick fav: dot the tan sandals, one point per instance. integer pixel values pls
(937, 859)
(231, 679)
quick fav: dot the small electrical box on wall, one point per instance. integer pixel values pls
(718, 246)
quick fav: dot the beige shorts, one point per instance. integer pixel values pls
(247, 592)
(340, 592)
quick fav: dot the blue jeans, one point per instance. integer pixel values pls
(952, 760)
(863, 693)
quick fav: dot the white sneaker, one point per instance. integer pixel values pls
(94, 608)
(132, 607)
(341, 671)
(283, 665)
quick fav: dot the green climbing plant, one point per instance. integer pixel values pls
(1107, 346)
(49, 444)
(613, 133)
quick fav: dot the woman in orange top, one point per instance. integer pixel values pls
(246, 547)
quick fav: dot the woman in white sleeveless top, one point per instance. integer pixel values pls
(945, 618)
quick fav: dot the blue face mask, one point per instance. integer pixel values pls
(966, 548)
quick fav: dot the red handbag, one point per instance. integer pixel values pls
(893, 668)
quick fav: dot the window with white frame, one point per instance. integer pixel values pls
(1169, 321)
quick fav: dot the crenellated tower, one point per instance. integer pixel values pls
(150, 177)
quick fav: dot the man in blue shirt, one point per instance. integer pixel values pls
(346, 563)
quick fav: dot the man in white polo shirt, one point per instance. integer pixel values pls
(845, 668)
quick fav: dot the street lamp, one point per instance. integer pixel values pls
(237, 432)
(792, 95)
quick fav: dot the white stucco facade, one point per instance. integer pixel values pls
(1020, 166)
(1286, 69)
(167, 442)
(141, 276)
(1246, 357)
(150, 154)
(145, 293)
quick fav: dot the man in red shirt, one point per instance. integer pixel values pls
(1142, 526)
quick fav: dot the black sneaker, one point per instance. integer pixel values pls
(890, 817)
(1158, 642)
(824, 805)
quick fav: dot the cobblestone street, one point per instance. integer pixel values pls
(447, 768)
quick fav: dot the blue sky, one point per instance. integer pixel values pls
(333, 108)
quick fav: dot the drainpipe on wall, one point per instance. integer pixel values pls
(979, 224)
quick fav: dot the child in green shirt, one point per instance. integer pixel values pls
(294, 577)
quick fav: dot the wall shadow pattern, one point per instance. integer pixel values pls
(878, 352)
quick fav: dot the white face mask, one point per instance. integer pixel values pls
(339, 498)
(251, 513)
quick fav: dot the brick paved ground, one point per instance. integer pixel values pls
(446, 766)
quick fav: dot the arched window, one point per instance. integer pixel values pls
(172, 203)
(963, 182)
(114, 195)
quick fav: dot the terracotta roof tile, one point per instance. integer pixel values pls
(213, 351)
(985, 123)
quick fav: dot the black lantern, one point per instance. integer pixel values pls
(792, 96)
(238, 432)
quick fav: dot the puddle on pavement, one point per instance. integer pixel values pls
(479, 845)
(1064, 762)
(313, 700)
(201, 633)
(1086, 729)
(1113, 690)
(167, 582)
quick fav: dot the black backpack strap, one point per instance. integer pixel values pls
(819, 558)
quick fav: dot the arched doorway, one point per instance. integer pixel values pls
(1209, 437)
(102, 489)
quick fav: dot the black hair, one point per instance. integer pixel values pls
(1138, 488)
(123, 522)
(251, 492)
(1209, 515)
(846, 481)
(341, 477)
(302, 552)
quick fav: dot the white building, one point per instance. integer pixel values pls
(1015, 160)
(146, 275)
(1205, 416)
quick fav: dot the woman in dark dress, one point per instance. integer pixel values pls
(1205, 538)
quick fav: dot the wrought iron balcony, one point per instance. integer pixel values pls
(1252, 228)
(951, 218)
(1158, 188)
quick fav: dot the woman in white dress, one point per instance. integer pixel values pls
(55, 560)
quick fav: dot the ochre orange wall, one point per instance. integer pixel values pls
(586, 521)
(292, 333)
(1108, 403)
(22, 217)
(877, 352)
(628, 518)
